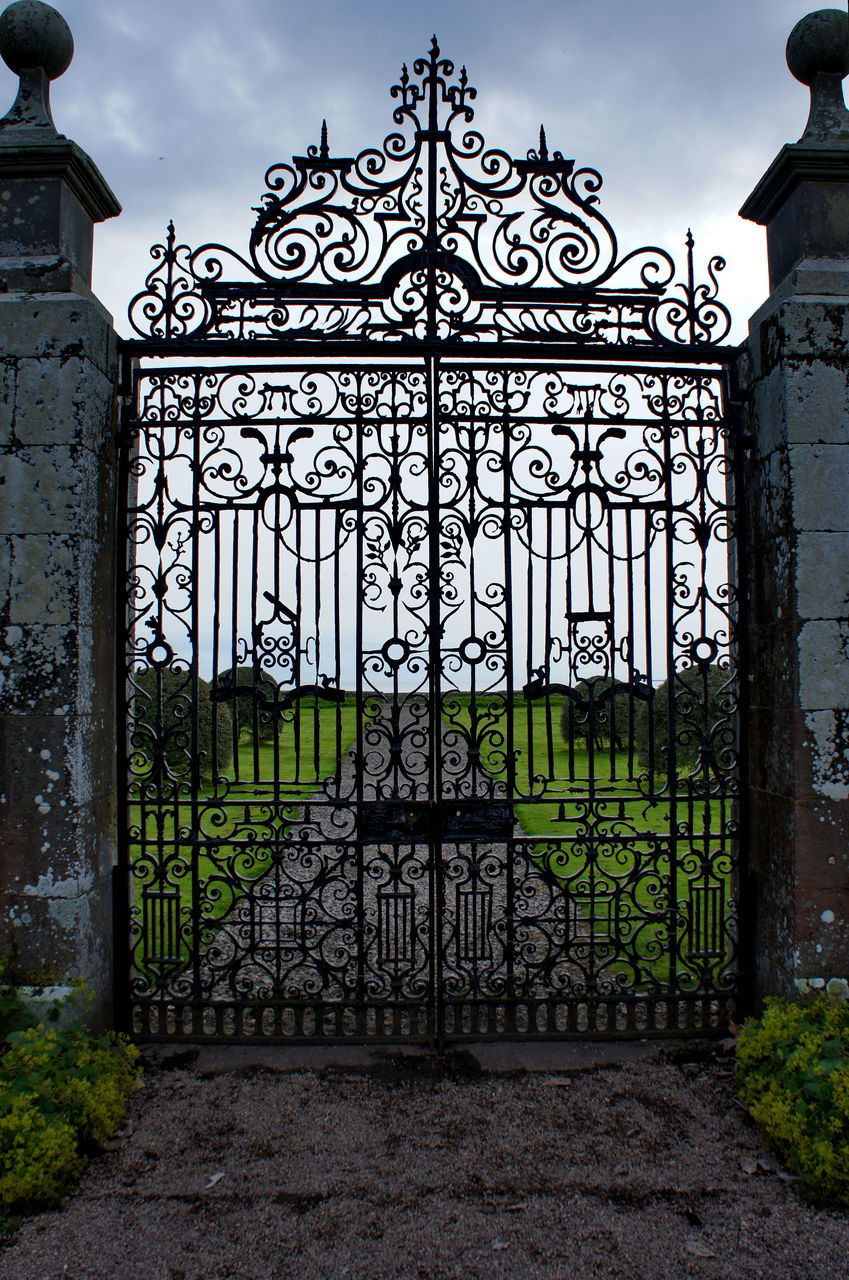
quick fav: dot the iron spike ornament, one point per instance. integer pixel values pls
(432, 238)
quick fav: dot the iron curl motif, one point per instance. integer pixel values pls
(432, 237)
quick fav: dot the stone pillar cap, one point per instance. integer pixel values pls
(818, 56)
(36, 43)
(33, 34)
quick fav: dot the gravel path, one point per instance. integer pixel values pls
(405, 1167)
(257, 952)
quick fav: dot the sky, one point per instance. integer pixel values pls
(184, 104)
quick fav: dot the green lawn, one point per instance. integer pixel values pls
(637, 855)
(618, 846)
(209, 845)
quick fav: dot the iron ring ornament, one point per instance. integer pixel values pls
(434, 237)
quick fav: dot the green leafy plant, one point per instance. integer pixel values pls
(596, 708)
(63, 1092)
(251, 695)
(14, 1014)
(173, 730)
(793, 1075)
(702, 703)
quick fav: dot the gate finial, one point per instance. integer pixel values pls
(36, 43)
(803, 198)
(39, 167)
(818, 56)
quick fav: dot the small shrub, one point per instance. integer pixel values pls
(598, 707)
(63, 1091)
(14, 1015)
(793, 1075)
(703, 726)
(251, 716)
(40, 1155)
(165, 725)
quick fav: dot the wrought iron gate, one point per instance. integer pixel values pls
(429, 661)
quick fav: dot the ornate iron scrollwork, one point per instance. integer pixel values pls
(434, 237)
(430, 692)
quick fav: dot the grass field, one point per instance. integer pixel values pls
(206, 846)
(638, 855)
(633, 858)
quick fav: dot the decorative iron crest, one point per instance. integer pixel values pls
(432, 238)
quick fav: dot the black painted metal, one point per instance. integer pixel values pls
(432, 240)
(430, 648)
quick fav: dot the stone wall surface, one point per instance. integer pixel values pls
(796, 378)
(795, 382)
(58, 372)
(57, 733)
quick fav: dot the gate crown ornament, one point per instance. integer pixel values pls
(433, 237)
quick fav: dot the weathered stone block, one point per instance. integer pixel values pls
(822, 574)
(773, 680)
(39, 667)
(8, 374)
(769, 498)
(53, 489)
(801, 329)
(45, 581)
(817, 399)
(820, 480)
(824, 665)
(772, 859)
(54, 940)
(63, 325)
(823, 941)
(5, 581)
(62, 402)
(828, 744)
(767, 413)
(773, 742)
(42, 217)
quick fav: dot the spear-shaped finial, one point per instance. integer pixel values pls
(543, 145)
(324, 150)
(692, 311)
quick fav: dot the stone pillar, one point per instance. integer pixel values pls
(57, 517)
(795, 383)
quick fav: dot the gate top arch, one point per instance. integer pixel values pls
(432, 240)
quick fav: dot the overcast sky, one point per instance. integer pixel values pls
(681, 104)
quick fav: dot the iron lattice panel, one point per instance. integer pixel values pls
(433, 238)
(476, 771)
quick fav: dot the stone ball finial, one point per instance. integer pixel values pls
(819, 44)
(33, 35)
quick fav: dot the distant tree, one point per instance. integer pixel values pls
(599, 707)
(163, 723)
(701, 709)
(253, 708)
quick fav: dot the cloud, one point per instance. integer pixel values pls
(681, 105)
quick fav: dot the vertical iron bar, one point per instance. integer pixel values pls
(435, 885)
(740, 572)
(316, 719)
(509, 697)
(195, 774)
(359, 706)
(671, 718)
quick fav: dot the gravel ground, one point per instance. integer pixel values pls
(427, 1169)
